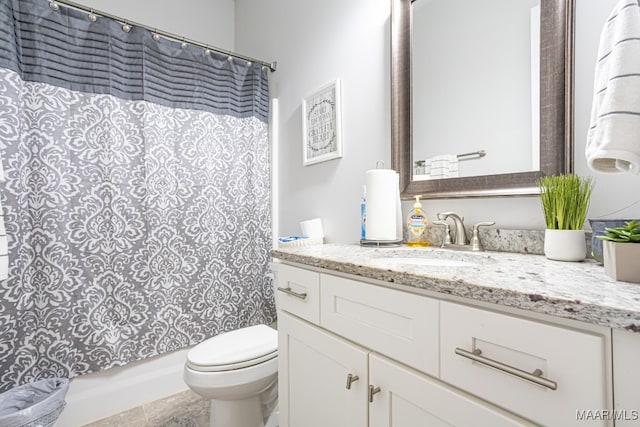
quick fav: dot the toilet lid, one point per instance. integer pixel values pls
(236, 349)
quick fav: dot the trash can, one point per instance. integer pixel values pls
(37, 404)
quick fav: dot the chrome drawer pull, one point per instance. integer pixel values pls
(373, 390)
(288, 291)
(534, 377)
(351, 379)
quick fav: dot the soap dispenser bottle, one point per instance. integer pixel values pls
(417, 226)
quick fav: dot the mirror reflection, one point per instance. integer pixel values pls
(475, 87)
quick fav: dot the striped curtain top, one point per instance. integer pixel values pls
(66, 49)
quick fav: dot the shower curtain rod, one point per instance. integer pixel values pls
(53, 4)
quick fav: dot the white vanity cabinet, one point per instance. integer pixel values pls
(352, 353)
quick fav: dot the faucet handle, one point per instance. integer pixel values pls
(483, 224)
(446, 240)
(476, 244)
(444, 215)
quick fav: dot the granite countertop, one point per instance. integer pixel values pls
(573, 290)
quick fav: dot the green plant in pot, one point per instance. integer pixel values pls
(565, 201)
(621, 252)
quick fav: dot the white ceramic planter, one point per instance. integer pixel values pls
(565, 245)
(622, 261)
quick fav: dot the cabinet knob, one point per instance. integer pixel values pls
(351, 379)
(373, 390)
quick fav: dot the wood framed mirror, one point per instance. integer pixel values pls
(555, 113)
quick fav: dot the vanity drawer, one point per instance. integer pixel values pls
(298, 292)
(573, 375)
(398, 324)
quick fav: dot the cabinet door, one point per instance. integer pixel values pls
(312, 378)
(626, 378)
(410, 399)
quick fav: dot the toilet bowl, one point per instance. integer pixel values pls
(238, 372)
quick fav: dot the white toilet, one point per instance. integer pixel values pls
(238, 371)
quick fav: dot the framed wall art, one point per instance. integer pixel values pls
(321, 125)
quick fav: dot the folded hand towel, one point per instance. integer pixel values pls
(613, 141)
(442, 166)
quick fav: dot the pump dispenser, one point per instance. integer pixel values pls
(417, 225)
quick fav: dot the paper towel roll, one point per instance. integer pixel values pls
(382, 205)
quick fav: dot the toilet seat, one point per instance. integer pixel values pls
(234, 350)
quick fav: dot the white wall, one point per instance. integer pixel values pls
(315, 42)
(206, 21)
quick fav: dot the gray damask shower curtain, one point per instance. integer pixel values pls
(137, 198)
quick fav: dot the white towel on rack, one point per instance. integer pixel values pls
(613, 140)
(442, 166)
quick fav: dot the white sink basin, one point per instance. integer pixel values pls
(432, 262)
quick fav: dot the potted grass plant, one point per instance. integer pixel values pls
(620, 254)
(565, 200)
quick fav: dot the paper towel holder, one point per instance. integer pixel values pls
(381, 243)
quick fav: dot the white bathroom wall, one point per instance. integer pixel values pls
(206, 21)
(315, 42)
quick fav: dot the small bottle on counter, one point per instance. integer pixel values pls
(417, 226)
(363, 213)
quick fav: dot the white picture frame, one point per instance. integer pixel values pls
(322, 125)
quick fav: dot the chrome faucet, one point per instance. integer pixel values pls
(461, 240)
(461, 234)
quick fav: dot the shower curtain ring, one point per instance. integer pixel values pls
(126, 27)
(184, 43)
(92, 16)
(53, 5)
(156, 36)
(207, 51)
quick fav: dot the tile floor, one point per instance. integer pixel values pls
(185, 409)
